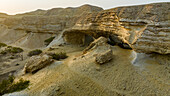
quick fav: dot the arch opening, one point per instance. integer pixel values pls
(78, 38)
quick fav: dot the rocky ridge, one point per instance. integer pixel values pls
(41, 24)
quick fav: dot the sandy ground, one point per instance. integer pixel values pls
(79, 75)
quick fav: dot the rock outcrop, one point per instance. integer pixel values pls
(36, 63)
(144, 28)
(149, 27)
(100, 24)
(101, 41)
(99, 49)
(104, 57)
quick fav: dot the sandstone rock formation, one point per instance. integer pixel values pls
(104, 57)
(143, 27)
(36, 63)
(103, 23)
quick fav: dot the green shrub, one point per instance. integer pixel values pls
(49, 40)
(11, 49)
(2, 45)
(3, 52)
(9, 86)
(12, 57)
(58, 56)
(34, 52)
(15, 50)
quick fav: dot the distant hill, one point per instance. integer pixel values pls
(29, 26)
(70, 11)
(37, 12)
(2, 15)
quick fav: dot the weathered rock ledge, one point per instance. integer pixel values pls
(145, 28)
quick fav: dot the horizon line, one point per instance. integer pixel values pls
(46, 9)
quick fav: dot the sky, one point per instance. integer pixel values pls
(20, 6)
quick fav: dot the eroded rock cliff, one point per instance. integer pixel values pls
(145, 28)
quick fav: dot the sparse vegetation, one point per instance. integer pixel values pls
(11, 49)
(49, 40)
(58, 56)
(2, 45)
(3, 52)
(14, 50)
(12, 57)
(9, 86)
(35, 52)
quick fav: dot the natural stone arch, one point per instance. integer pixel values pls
(85, 37)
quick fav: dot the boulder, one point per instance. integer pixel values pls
(36, 63)
(100, 50)
(104, 57)
(98, 42)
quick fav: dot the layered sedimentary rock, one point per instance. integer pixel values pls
(100, 24)
(145, 28)
(52, 21)
(149, 25)
(41, 24)
(36, 63)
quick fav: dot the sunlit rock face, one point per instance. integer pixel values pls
(149, 26)
(101, 24)
(145, 28)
